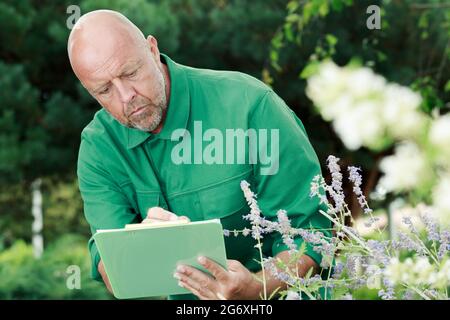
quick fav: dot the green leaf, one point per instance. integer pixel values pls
(310, 69)
(309, 273)
(447, 86)
(292, 18)
(292, 6)
(288, 32)
(331, 40)
(324, 9)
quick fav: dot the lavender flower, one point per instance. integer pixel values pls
(388, 293)
(311, 281)
(284, 224)
(351, 230)
(315, 188)
(444, 247)
(311, 237)
(431, 226)
(406, 243)
(255, 213)
(371, 221)
(327, 251)
(269, 265)
(338, 269)
(352, 264)
(407, 221)
(335, 190)
(356, 179)
(408, 295)
(245, 232)
(284, 227)
(378, 251)
(359, 283)
(361, 269)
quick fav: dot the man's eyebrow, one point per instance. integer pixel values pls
(131, 65)
(99, 87)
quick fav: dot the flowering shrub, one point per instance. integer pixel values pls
(367, 111)
(410, 267)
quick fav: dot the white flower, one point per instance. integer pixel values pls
(395, 271)
(423, 270)
(441, 199)
(404, 170)
(329, 76)
(401, 111)
(364, 84)
(365, 110)
(418, 272)
(339, 106)
(439, 136)
(361, 126)
(293, 295)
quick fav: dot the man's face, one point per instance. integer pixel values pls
(129, 83)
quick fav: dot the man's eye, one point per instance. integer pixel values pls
(131, 74)
(104, 91)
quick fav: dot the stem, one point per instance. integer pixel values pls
(426, 249)
(262, 268)
(417, 291)
(346, 231)
(326, 283)
(310, 295)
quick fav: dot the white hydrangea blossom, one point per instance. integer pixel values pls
(441, 199)
(439, 136)
(364, 109)
(418, 272)
(405, 169)
(355, 130)
(400, 112)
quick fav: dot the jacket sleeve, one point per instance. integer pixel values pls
(105, 204)
(285, 182)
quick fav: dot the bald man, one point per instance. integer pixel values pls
(128, 173)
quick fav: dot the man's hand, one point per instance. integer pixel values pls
(155, 214)
(236, 283)
(158, 214)
(101, 270)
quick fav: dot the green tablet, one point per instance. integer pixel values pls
(140, 259)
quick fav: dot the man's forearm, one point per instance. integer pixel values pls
(304, 264)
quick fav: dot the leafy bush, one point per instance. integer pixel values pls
(24, 277)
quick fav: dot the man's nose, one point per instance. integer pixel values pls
(126, 92)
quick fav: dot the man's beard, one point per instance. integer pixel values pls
(149, 118)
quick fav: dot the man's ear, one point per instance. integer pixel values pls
(153, 43)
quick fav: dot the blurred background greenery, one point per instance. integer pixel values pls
(43, 108)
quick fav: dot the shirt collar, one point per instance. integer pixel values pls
(177, 112)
